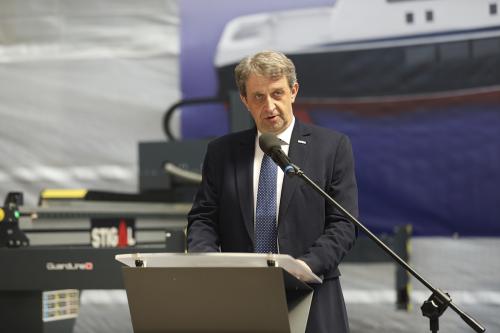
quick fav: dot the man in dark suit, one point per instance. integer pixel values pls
(229, 213)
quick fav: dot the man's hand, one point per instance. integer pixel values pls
(299, 275)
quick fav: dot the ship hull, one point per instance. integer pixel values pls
(407, 71)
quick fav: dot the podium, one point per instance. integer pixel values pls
(216, 292)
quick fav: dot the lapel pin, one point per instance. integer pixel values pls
(301, 141)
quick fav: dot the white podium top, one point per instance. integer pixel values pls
(219, 260)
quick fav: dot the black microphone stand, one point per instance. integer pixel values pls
(437, 303)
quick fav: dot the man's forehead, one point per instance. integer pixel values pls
(259, 81)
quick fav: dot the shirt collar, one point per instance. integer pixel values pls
(286, 135)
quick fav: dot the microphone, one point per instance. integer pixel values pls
(271, 146)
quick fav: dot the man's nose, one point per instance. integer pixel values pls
(269, 103)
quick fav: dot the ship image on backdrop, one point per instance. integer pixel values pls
(414, 84)
(420, 109)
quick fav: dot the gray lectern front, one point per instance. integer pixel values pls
(216, 292)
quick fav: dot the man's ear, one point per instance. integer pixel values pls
(244, 100)
(295, 90)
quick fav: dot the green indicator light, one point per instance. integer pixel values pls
(17, 215)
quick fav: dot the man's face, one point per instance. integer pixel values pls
(270, 102)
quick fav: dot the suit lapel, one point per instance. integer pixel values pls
(244, 157)
(298, 153)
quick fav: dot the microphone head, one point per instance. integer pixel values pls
(271, 146)
(269, 142)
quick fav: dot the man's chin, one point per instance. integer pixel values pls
(273, 128)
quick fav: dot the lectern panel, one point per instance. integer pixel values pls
(180, 299)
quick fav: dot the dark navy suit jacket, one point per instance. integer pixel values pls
(222, 216)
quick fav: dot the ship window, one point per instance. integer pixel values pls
(409, 18)
(493, 9)
(454, 51)
(485, 47)
(422, 54)
(429, 15)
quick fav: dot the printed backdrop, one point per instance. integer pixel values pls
(432, 165)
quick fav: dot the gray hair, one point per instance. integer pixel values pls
(271, 64)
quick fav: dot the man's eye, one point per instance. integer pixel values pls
(278, 93)
(259, 97)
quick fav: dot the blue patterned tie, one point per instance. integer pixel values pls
(266, 232)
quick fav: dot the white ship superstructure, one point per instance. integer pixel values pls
(409, 34)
